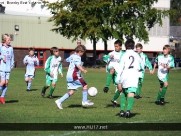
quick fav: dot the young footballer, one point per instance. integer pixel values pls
(30, 61)
(129, 68)
(53, 66)
(145, 63)
(74, 78)
(165, 62)
(6, 64)
(113, 59)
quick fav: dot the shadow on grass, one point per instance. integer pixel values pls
(146, 97)
(74, 106)
(12, 101)
(57, 96)
(111, 105)
(131, 115)
(160, 104)
(79, 106)
(54, 97)
(33, 89)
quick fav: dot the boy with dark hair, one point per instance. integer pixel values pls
(53, 66)
(74, 78)
(165, 62)
(30, 61)
(145, 62)
(128, 73)
(113, 59)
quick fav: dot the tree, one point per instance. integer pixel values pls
(104, 19)
(174, 18)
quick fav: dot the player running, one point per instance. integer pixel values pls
(113, 59)
(165, 62)
(145, 63)
(53, 66)
(6, 64)
(74, 78)
(30, 61)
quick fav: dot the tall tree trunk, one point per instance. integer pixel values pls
(105, 47)
(94, 51)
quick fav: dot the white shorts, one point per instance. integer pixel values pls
(5, 75)
(74, 85)
(29, 76)
(129, 79)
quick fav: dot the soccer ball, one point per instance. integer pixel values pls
(92, 91)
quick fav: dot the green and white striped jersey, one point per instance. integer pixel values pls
(53, 64)
(113, 62)
(166, 60)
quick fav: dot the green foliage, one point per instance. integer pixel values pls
(104, 19)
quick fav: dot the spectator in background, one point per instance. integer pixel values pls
(84, 56)
(78, 42)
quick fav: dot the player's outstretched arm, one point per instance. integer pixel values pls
(148, 64)
(106, 58)
(81, 69)
(155, 64)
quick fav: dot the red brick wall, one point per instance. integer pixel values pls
(19, 55)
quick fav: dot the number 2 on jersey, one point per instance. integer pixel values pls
(130, 66)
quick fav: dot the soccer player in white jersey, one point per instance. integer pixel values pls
(145, 63)
(113, 59)
(6, 64)
(53, 66)
(129, 68)
(74, 78)
(165, 62)
(30, 61)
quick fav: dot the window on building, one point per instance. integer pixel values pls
(41, 55)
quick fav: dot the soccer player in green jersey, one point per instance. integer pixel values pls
(145, 63)
(53, 66)
(165, 62)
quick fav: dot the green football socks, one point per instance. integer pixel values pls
(130, 103)
(44, 88)
(138, 91)
(108, 80)
(159, 96)
(164, 89)
(122, 101)
(51, 90)
(116, 95)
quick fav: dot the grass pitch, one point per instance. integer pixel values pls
(29, 107)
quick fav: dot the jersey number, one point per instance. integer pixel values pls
(130, 66)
